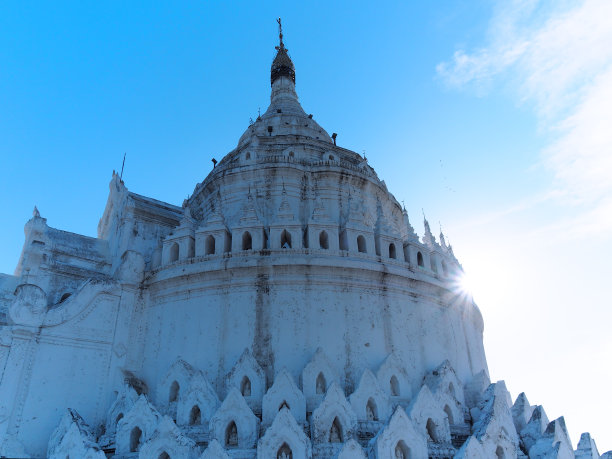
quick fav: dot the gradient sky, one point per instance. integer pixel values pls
(493, 117)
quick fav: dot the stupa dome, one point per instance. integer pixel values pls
(287, 309)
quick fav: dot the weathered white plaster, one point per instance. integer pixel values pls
(136, 427)
(168, 439)
(248, 377)
(398, 439)
(447, 391)
(471, 449)
(284, 439)
(369, 401)
(214, 451)
(317, 377)
(553, 443)
(73, 438)
(521, 412)
(474, 390)
(495, 428)
(197, 402)
(126, 398)
(394, 380)
(534, 429)
(284, 392)
(351, 450)
(334, 421)
(586, 448)
(234, 411)
(429, 418)
(175, 380)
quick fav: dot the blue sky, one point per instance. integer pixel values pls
(491, 116)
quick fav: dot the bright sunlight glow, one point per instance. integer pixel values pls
(466, 283)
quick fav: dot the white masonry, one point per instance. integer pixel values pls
(286, 310)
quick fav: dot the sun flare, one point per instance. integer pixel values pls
(466, 284)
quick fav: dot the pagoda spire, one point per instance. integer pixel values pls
(280, 34)
(282, 65)
(442, 239)
(408, 228)
(428, 237)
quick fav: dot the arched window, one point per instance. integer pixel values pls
(248, 156)
(321, 384)
(335, 432)
(449, 414)
(394, 386)
(284, 452)
(323, 240)
(195, 416)
(331, 157)
(371, 411)
(444, 268)
(431, 430)
(174, 391)
(499, 452)
(231, 435)
(285, 239)
(361, 244)
(420, 261)
(392, 251)
(451, 390)
(64, 297)
(401, 450)
(291, 154)
(135, 439)
(245, 387)
(174, 252)
(210, 245)
(247, 241)
(434, 267)
(164, 455)
(118, 418)
(283, 405)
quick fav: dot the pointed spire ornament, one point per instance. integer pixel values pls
(282, 65)
(35, 212)
(249, 214)
(442, 240)
(410, 233)
(428, 238)
(280, 34)
(426, 224)
(284, 211)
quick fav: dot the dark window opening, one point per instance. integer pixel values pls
(361, 244)
(247, 241)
